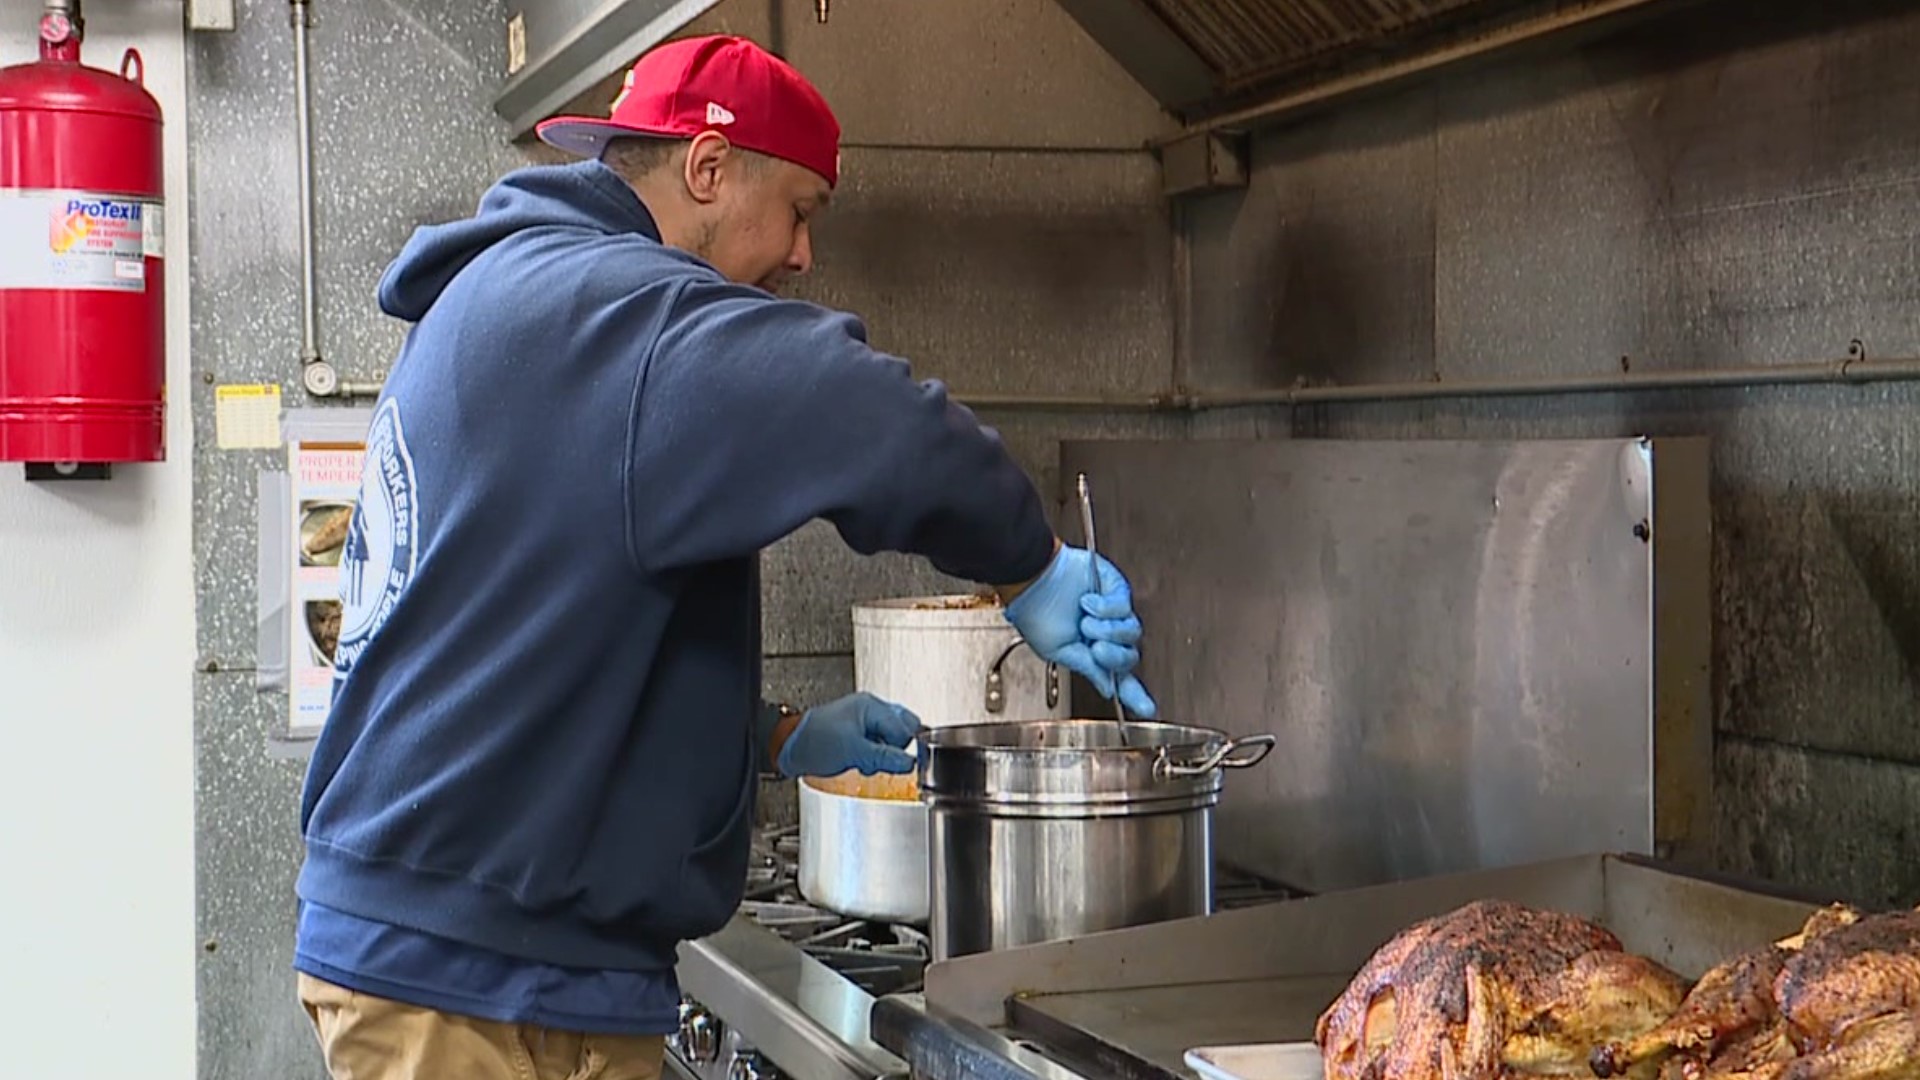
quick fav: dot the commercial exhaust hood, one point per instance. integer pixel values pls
(558, 50)
(1217, 66)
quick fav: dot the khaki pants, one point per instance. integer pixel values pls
(370, 1038)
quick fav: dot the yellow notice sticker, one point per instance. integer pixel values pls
(246, 417)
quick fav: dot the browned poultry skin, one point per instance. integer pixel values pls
(1731, 1011)
(1728, 1002)
(1602, 997)
(1843, 1004)
(1752, 1050)
(1827, 919)
(1491, 990)
(1883, 1048)
(1852, 974)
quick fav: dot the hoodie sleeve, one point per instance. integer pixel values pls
(754, 416)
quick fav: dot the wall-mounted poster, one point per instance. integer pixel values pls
(325, 482)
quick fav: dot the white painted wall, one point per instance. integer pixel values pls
(96, 694)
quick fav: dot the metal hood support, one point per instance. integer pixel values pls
(560, 49)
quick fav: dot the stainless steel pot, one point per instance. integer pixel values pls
(1054, 828)
(863, 857)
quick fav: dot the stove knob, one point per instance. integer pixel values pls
(699, 1037)
(749, 1065)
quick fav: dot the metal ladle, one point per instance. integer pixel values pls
(1093, 561)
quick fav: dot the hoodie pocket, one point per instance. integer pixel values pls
(714, 873)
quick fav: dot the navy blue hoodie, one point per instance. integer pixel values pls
(543, 736)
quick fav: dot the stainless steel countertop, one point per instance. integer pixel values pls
(1128, 1004)
(1139, 1033)
(1144, 1033)
(944, 1046)
(793, 1008)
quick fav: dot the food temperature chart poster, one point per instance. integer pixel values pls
(326, 481)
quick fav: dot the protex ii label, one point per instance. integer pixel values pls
(75, 240)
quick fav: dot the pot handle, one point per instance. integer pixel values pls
(996, 691)
(1165, 768)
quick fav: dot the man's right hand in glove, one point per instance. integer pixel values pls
(1092, 633)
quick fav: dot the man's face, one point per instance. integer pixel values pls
(760, 232)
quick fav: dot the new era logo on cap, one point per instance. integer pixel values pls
(676, 91)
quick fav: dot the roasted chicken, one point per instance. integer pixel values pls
(1838, 1001)
(1733, 1003)
(1492, 990)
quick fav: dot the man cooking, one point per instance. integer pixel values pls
(537, 778)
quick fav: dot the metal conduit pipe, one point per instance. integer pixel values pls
(316, 374)
(303, 135)
(1854, 369)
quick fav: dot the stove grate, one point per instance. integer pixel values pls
(887, 958)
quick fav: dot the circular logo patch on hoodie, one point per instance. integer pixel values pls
(382, 540)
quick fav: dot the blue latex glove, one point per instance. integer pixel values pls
(858, 731)
(1090, 633)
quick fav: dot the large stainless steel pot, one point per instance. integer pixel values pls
(1050, 829)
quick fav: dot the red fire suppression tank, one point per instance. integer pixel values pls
(82, 309)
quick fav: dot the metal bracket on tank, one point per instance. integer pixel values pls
(996, 683)
(44, 471)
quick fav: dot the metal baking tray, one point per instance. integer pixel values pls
(1259, 1061)
(1133, 1003)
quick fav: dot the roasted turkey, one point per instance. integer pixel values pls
(1489, 991)
(1838, 1001)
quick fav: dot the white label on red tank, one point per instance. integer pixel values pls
(153, 234)
(74, 240)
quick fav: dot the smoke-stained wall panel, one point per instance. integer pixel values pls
(1729, 186)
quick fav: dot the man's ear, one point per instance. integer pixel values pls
(706, 156)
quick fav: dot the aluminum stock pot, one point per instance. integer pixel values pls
(863, 847)
(1048, 829)
(953, 660)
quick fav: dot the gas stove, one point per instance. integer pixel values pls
(879, 958)
(785, 990)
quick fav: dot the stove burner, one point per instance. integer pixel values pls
(880, 958)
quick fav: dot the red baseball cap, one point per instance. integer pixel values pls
(716, 83)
